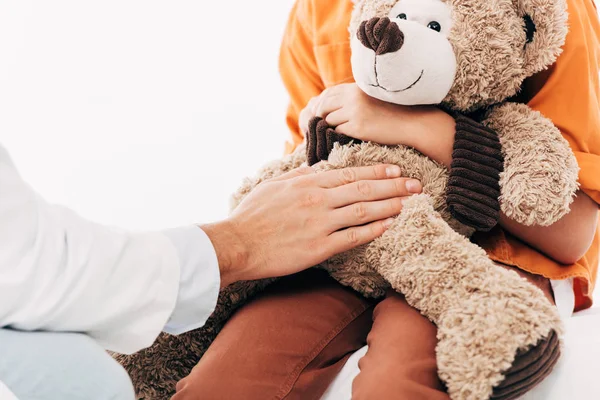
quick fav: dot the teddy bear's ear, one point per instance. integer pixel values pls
(545, 26)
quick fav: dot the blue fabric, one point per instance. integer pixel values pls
(60, 366)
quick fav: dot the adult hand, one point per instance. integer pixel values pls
(302, 218)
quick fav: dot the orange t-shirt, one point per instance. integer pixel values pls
(315, 54)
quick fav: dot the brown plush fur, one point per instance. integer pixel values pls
(540, 170)
(485, 314)
(473, 299)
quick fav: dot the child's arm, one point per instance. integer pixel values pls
(298, 68)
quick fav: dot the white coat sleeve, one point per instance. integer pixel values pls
(60, 272)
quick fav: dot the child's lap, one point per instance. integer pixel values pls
(295, 337)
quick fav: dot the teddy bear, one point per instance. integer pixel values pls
(470, 57)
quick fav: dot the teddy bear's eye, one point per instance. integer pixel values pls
(530, 28)
(434, 25)
(401, 16)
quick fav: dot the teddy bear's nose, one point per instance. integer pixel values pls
(380, 35)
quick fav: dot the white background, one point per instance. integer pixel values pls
(141, 113)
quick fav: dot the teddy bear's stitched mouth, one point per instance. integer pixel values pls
(401, 90)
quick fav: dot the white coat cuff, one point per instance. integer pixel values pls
(200, 279)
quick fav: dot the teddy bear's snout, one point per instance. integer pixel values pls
(380, 35)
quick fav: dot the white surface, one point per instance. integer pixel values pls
(141, 113)
(6, 394)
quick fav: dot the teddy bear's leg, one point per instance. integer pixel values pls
(484, 313)
(540, 170)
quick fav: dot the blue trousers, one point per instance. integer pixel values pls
(60, 366)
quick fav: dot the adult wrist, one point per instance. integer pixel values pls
(231, 250)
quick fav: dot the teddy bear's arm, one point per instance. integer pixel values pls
(540, 170)
(320, 140)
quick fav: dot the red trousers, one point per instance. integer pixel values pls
(293, 339)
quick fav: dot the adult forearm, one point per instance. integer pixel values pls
(567, 240)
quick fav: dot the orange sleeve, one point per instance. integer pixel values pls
(570, 95)
(298, 67)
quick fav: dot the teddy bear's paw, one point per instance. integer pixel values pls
(533, 197)
(539, 181)
(501, 340)
(320, 140)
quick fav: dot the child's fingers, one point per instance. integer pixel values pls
(327, 104)
(307, 114)
(337, 117)
(345, 129)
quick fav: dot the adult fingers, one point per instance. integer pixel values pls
(370, 190)
(347, 239)
(340, 177)
(295, 173)
(364, 213)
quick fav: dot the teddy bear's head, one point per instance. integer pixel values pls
(465, 54)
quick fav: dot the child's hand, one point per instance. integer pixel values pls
(307, 114)
(354, 113)
(361, 116)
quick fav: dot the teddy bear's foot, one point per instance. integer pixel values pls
(529, 369)
(500, 342)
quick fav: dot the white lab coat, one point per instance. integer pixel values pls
(60, 272)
